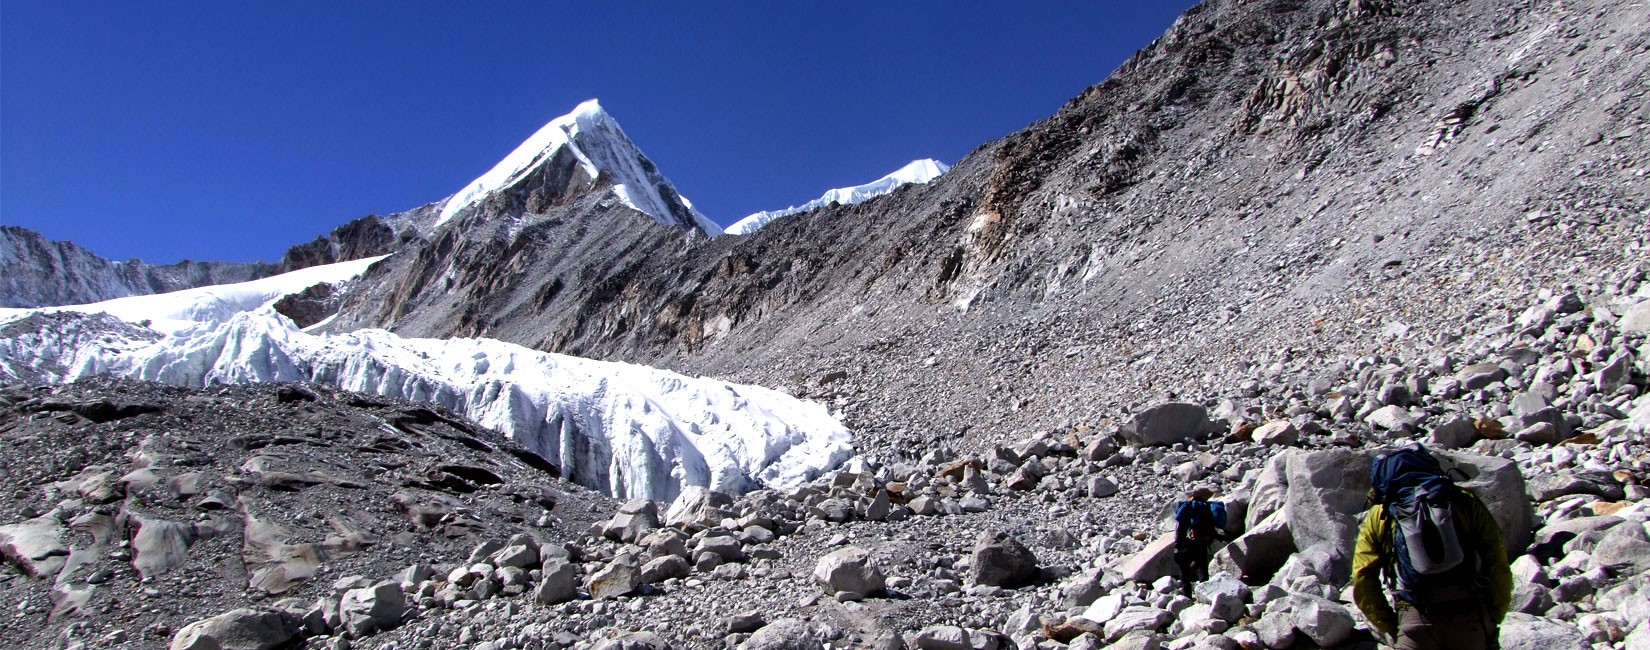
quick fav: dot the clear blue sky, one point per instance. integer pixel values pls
(232, 130)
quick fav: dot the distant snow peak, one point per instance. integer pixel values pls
(915, 173)
(593, 138)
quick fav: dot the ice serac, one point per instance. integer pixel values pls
(916, 173)
(593, 138)
(628, 430)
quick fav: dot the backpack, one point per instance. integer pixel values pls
(1419, 500)
(1200, 520)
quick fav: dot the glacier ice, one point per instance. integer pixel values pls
(917, 172)
(628, 430)
(596, 141)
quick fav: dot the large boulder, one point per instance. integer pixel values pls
(1326, 623)
(1500, 485)
(241, 629)
(1625, 550)
(1327, 493)
(560, 583)
(697, 507)
(1259, 552)
(849, 571)
(1150, 563)
(1166, 424)
(1526, 632)
(619, 577)
(375, 608)
(1002, 561)
(1268, 490)
(634, 520)
(783, 634)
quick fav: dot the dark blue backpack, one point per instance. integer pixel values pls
(1419, 500)
(1200, 520)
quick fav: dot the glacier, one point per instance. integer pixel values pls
(594, 138)
(916, 172)
(628, 430)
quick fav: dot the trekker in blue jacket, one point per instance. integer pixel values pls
(1198, 524)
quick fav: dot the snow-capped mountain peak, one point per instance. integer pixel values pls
(917, 172)
(594, 139)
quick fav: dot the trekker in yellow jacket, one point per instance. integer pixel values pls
(1465, 615)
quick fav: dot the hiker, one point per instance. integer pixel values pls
(1441, 552)
(1198, 523)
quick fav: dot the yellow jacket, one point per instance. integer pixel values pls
(1375, 550)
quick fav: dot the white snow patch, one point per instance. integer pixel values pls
(917, 172)
(191, 308)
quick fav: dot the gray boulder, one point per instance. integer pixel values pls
(634, 641)
(849, 570)
(159, 545)
(559, 584)
(1276, 432)
(1392, 418)
(373, 609)
(1454, 433)
(1625, 550)
(1002, 561)
(783, 634)
(616, 578)
(1259, 552)
(697, 507)
(1150, 563)
(1137, 619)
(1166, 424)
(634, 520)
(1526, 632)
(1500, 485)
(1326, 623)
(241, 629)
(943, 637)
(1327, 493)
(660, 569)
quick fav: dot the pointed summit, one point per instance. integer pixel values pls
(915, 172)
(596, 144)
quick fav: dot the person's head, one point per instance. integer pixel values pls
(1201, 494)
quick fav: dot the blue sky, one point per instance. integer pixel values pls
(232, 130)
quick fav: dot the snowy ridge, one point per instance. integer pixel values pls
(917, 172)
(192, 308)
(629, 430)
(596, 141)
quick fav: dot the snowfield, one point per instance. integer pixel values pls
(628, 430)
(917, 172)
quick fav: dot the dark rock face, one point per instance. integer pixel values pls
(37, 272)
(365, 237)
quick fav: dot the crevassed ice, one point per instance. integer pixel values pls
(629, 430)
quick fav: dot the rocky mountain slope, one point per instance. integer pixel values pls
(1269, 183)
(1298, 230)
(37, 272)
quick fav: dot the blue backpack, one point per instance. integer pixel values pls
(1419, 500)
(1201, 520)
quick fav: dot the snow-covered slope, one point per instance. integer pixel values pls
(597, 142)
(629, 430)
(192, 308)
(917, 172)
